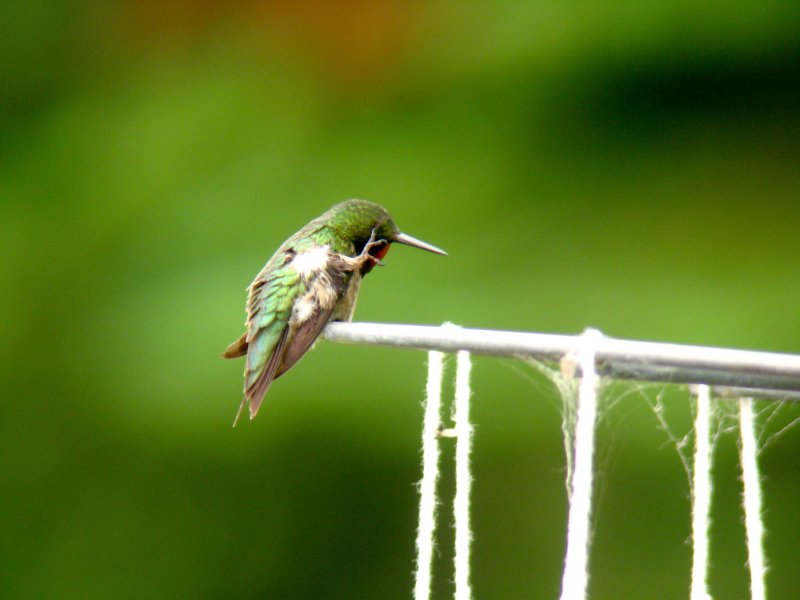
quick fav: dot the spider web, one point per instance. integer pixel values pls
(674, 408)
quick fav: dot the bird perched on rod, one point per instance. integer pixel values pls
(312, 279)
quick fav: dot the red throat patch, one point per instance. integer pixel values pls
(379, 253)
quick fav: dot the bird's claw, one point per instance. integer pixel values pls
(371, 243)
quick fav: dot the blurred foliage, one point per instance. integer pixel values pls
(632, 167)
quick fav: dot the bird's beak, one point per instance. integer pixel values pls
(402, 238)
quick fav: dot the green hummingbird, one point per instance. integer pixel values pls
(312, 279)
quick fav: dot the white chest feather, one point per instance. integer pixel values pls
(305, 308)
(309, 263)
(312, 267)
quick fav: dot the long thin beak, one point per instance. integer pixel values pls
(402, 238)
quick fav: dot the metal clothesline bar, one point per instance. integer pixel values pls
(762, 374)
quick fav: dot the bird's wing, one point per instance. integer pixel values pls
(339, 274)
(269, 307)
(275, 340)
(303, 337)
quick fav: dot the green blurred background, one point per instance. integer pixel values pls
(628, 166)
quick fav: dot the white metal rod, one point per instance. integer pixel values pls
(616, 358)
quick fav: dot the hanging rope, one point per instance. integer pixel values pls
(430, 475)
(432, 433)
(752, 499)
(576, 563)
(463, 430)
(575, 579)
(701, 495)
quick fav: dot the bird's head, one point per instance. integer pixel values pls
(361, 221)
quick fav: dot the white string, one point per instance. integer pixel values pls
(576, 563)
(576, 568)
(430, 474)
(463, 430)
(701, 495)
(752, 500)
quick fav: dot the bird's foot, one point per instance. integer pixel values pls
(372, 243)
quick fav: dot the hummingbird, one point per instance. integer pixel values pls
(312, 279)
